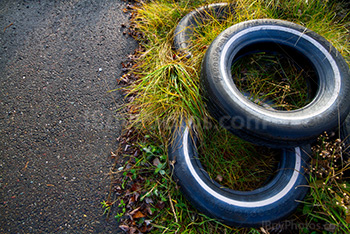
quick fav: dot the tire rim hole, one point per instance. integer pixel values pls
(274, 80)
(235, 163)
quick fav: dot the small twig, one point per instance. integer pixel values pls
(25, 167)
(148, 192)
(263, 230)
(172, 208)
(8, 26)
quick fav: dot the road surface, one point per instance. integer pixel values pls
(58, 123)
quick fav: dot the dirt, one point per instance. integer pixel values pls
(58, 122)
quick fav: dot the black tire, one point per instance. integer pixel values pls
(272, 202)
(269, 127)
(184, 31)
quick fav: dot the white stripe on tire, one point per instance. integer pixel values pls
(278, 196)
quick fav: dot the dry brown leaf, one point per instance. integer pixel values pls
(134, 211)
(135, 187)
(156, 162)
(138, 215)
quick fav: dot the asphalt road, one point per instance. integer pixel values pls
(58, 123)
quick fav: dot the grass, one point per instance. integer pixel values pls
(165, 87)
(274, 79)
(234, 163)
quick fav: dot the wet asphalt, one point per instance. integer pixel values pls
(58, 123)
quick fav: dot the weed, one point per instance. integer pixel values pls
(106, 206)
(121, 205)
(329, 198)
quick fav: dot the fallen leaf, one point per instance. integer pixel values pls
(156, 162)
(131, 199)
(138, 215)
(135, 187)
(50, 185)
(125, 228)
(134, 211)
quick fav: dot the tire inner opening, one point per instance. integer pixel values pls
(235, 163)
(277, 76)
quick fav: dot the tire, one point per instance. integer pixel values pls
(270, 203)
(184, 31)
(269, 127)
